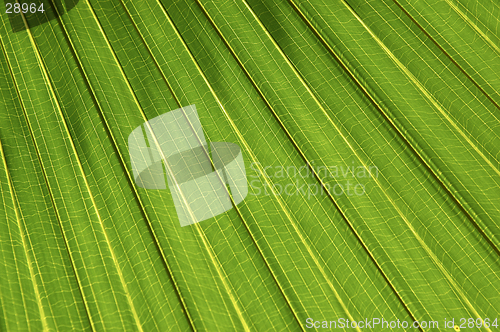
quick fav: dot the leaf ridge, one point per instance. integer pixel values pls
(80, 167)
(121, 158)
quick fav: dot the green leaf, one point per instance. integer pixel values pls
(369, 132)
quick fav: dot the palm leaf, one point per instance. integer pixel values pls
(369, 134)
